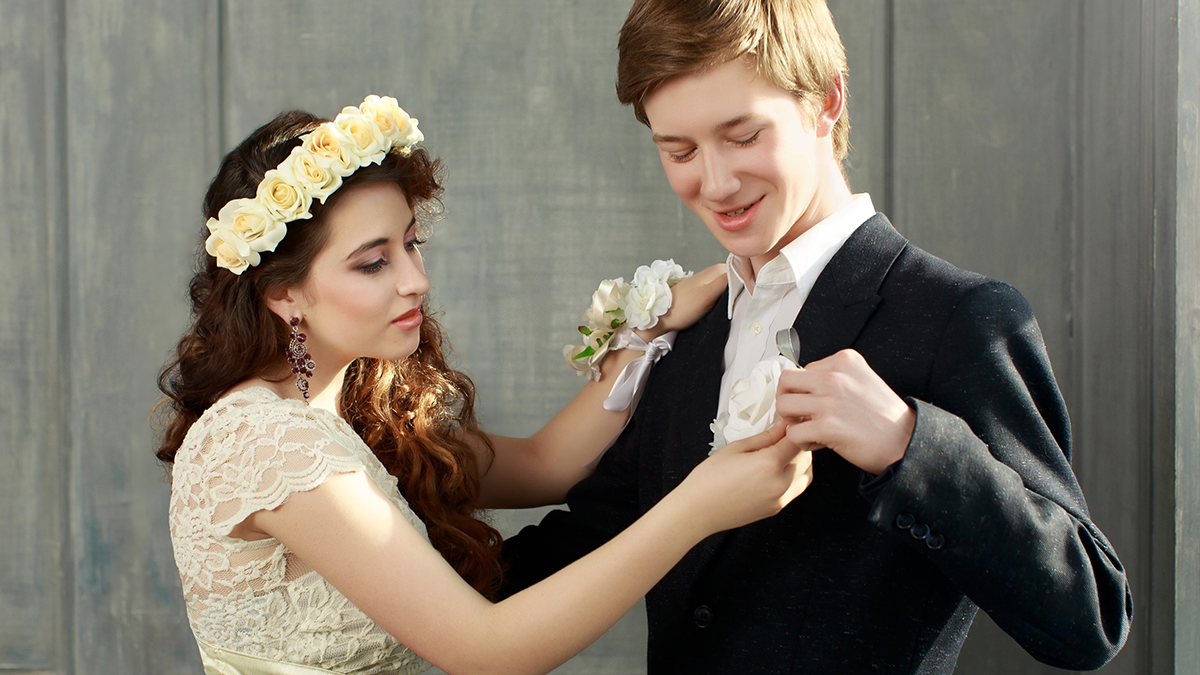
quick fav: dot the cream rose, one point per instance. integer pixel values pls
(331, 147)
(751, 403)
(302, 168)
(385, 112)
(226, 253)
(605, 309)
(367, 142)
(285, 200)
(250, 223)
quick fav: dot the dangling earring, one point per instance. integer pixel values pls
(297, 355)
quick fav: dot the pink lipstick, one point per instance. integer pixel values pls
(409, 320)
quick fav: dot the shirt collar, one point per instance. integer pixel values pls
(800, 258)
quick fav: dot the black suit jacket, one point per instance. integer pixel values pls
(861, 573)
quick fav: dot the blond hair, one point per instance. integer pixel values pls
(794, 44)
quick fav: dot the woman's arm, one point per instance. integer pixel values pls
(539, 470)
(353, 536)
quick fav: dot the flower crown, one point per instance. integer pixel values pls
(358, 136)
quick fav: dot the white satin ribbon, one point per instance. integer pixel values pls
(628, 386)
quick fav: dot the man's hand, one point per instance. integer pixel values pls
(841, 404)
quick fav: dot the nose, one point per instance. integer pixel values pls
(718, 181)
(412, 279)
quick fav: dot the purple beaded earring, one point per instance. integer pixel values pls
(297, 355)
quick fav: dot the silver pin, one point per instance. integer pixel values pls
(788, 342)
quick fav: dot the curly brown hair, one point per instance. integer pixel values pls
(417, 414)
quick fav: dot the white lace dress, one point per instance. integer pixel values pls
(254, 601)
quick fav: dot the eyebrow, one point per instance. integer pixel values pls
(723, 126)
(380, 241)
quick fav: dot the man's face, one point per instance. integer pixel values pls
(745, 157)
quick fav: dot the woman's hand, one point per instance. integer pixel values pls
(691, 300)
(746, 481)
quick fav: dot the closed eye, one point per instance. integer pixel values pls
(743, 142)
(414, 243)
(373, 267)
(680, 157)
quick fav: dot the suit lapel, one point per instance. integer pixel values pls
(846, 293)
(841, 302)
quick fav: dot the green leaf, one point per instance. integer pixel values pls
(584, 354)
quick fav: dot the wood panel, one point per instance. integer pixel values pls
(986, 110)
(142, 132)
(1181, 468)
(865, 27)
(33, 587)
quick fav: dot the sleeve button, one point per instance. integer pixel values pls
(919, 531)
(703, 616)
(905, 520)
(935, 541)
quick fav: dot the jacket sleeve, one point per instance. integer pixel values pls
(601, 506)
(986, 491)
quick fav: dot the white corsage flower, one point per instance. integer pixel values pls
(605, 312)
(649, 294)
(751, 404)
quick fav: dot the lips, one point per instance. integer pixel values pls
(738, 218)
(409, 320)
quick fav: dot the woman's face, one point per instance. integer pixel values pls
(364, 291)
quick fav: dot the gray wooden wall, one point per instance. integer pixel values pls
(1054, 144)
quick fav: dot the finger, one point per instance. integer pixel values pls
(807, 434)
(794, 408)
(803, 476)
(797, 381)
(758, 441)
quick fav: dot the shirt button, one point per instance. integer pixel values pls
(703, 616)
(755, 328)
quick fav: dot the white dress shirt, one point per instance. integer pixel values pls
(779, 291)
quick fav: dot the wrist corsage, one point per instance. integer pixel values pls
(617, 307)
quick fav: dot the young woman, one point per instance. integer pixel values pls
(327, 463)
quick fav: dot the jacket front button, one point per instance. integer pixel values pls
(703, 616)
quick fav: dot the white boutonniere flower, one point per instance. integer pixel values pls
(751, 404)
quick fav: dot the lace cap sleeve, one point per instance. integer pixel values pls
(257, 454)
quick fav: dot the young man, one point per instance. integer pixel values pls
(946, 484)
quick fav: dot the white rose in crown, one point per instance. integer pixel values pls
(367, 142)
(304, 169)
(392, 121)
(332, 149)
(751, 404)
(286, 200)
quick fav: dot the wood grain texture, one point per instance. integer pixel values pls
(141, 131)
(33, 582)
(1185, 18)
(1053, 144)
